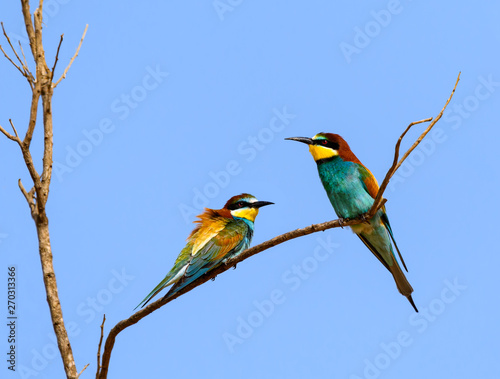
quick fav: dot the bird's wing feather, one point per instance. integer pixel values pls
(373, 250)
(180, 262)
(369, 181)
(229, 240)
(371, 186)
(217, 248)
(385, 221)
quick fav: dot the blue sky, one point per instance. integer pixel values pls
(173, 106)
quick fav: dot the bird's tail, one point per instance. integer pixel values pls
(164, 283)
(402, 283)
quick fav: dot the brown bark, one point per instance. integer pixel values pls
(49, 280)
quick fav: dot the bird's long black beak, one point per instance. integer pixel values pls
(306, 140)
(259, 204)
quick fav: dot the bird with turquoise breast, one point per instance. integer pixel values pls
(220, 234)
(351, 189)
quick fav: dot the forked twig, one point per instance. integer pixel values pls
(63, 76)
(397, 164)
(14, 50)
(11, 61)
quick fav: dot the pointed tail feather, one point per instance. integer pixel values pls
(412, 303)
(385, 221)
(183, 282)
(164, 283)
(152, 294)
(172, 291)
(402, 283)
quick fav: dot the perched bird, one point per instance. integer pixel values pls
(220, 234)
(352, 188)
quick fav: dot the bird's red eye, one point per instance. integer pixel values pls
(324, 142)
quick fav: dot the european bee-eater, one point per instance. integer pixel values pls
(352, 188)
(220, 234)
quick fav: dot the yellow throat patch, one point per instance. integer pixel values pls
(320, 152)
(248, 213)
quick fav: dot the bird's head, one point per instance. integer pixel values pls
(245, 206)
(324, 146)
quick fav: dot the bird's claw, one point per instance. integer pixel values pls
(364, 219)
(342, 221)
(234, 267)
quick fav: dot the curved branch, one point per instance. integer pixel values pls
(378, 202)
(136, 317)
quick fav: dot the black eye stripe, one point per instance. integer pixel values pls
(237, 205)
(326, 143)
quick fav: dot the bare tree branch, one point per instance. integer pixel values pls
(13, 128)
(376, 203)
(436, 119)
(35, 97)
(11, 61)
(29, 196)
(57, 58)
(25, 4)
(396, 165)
(25, 70)
(63, 76)
(10, 44)
(9, 136)
(24, 57)
(136, 317)
(83, 369)
(42, 87)
(99, 348)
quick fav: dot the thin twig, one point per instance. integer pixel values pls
(99, 348)
(396, 164)
(23, 190)
(136, 317)
(436, 119)
(29, 196)
(30, 76)
(83, 369)
(63, 76)
(14, 137)
(10, 44)
(13, 128)
(57, 58)
(376, 203)
(24, 57)
(8, 135)
(11, 61)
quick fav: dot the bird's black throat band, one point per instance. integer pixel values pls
(325, 160)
